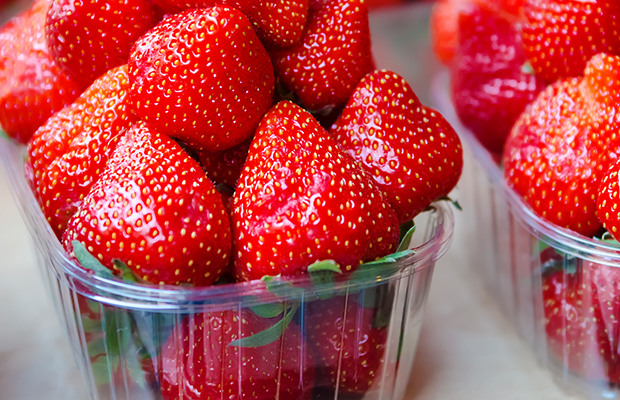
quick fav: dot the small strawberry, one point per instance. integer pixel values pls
(333, 56)
(349, 344)
(154, 209)
(490, 86)
(411, 151)
(198, 362)
(32, 85)
(276, 22)
(562, 145)
(88, 38)
(86, 133)
(225, 166)
(573, 324)
(202, 76)
(300, 199)
(560, 36)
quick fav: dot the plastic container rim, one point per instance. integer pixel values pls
(563, 239)
(423, 256)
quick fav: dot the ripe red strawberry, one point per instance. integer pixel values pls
(411, 151)
(32, 86)
(225, 166)
(277, 22)
(202, 76)
(608, 202)
(560, 36)
(562, 145)
(154, 209)
(346, 339)
(199, 364)
(70, 151)
(300, 199)
(333, 56)
(490, 87)
(574, 328)
(88, 38)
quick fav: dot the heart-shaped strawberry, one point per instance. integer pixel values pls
(154, 209)
(202, 76)
(301, 199)
(413, 154)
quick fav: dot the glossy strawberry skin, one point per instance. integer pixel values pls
(32, 85)
(574, 325)
(179, 88)
(562, 145)
(279, 23)
(300, 199)
(198, 362)
(91, 126)
(225, 166)
(88, 38)
(410, 150)
(560, 36)
(333, 56)
(490, 87)
(349, 347)
(154, 209)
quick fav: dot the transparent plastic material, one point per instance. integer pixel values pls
(561, 289)
(343, 340)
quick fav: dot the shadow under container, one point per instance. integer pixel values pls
(560, 289)
(302, 338)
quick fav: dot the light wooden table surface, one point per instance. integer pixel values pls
(467, 350)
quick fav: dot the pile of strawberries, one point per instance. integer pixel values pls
(538, 83)
(158, 135)
(179, 142)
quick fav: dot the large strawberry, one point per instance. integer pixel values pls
(333, 56)
(413, 154)
(576, 333)
(32, 86)
(490, 86)
(277, 22)
(154, 209)
(300, 199)
(70, 151)
(349, 341)
(198, 362)
(87, 38)
(561, 146)
(202, 76)
(560, 36)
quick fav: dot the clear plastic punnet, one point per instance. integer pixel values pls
(561, 289)
(266, 339)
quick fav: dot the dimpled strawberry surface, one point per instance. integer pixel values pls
(173, 145)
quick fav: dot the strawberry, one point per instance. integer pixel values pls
(154, 209)
(88, 38)
(70, 151)
(413, 154)
(225, 166)
(277, 22)
(562, 145)
(198, 362)
(202, 76)
(300, 199)
(348, 344)
(490, 87)
(560, 36)
(32, 85)
(333, 55)
(574, 326)
(607, 201)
